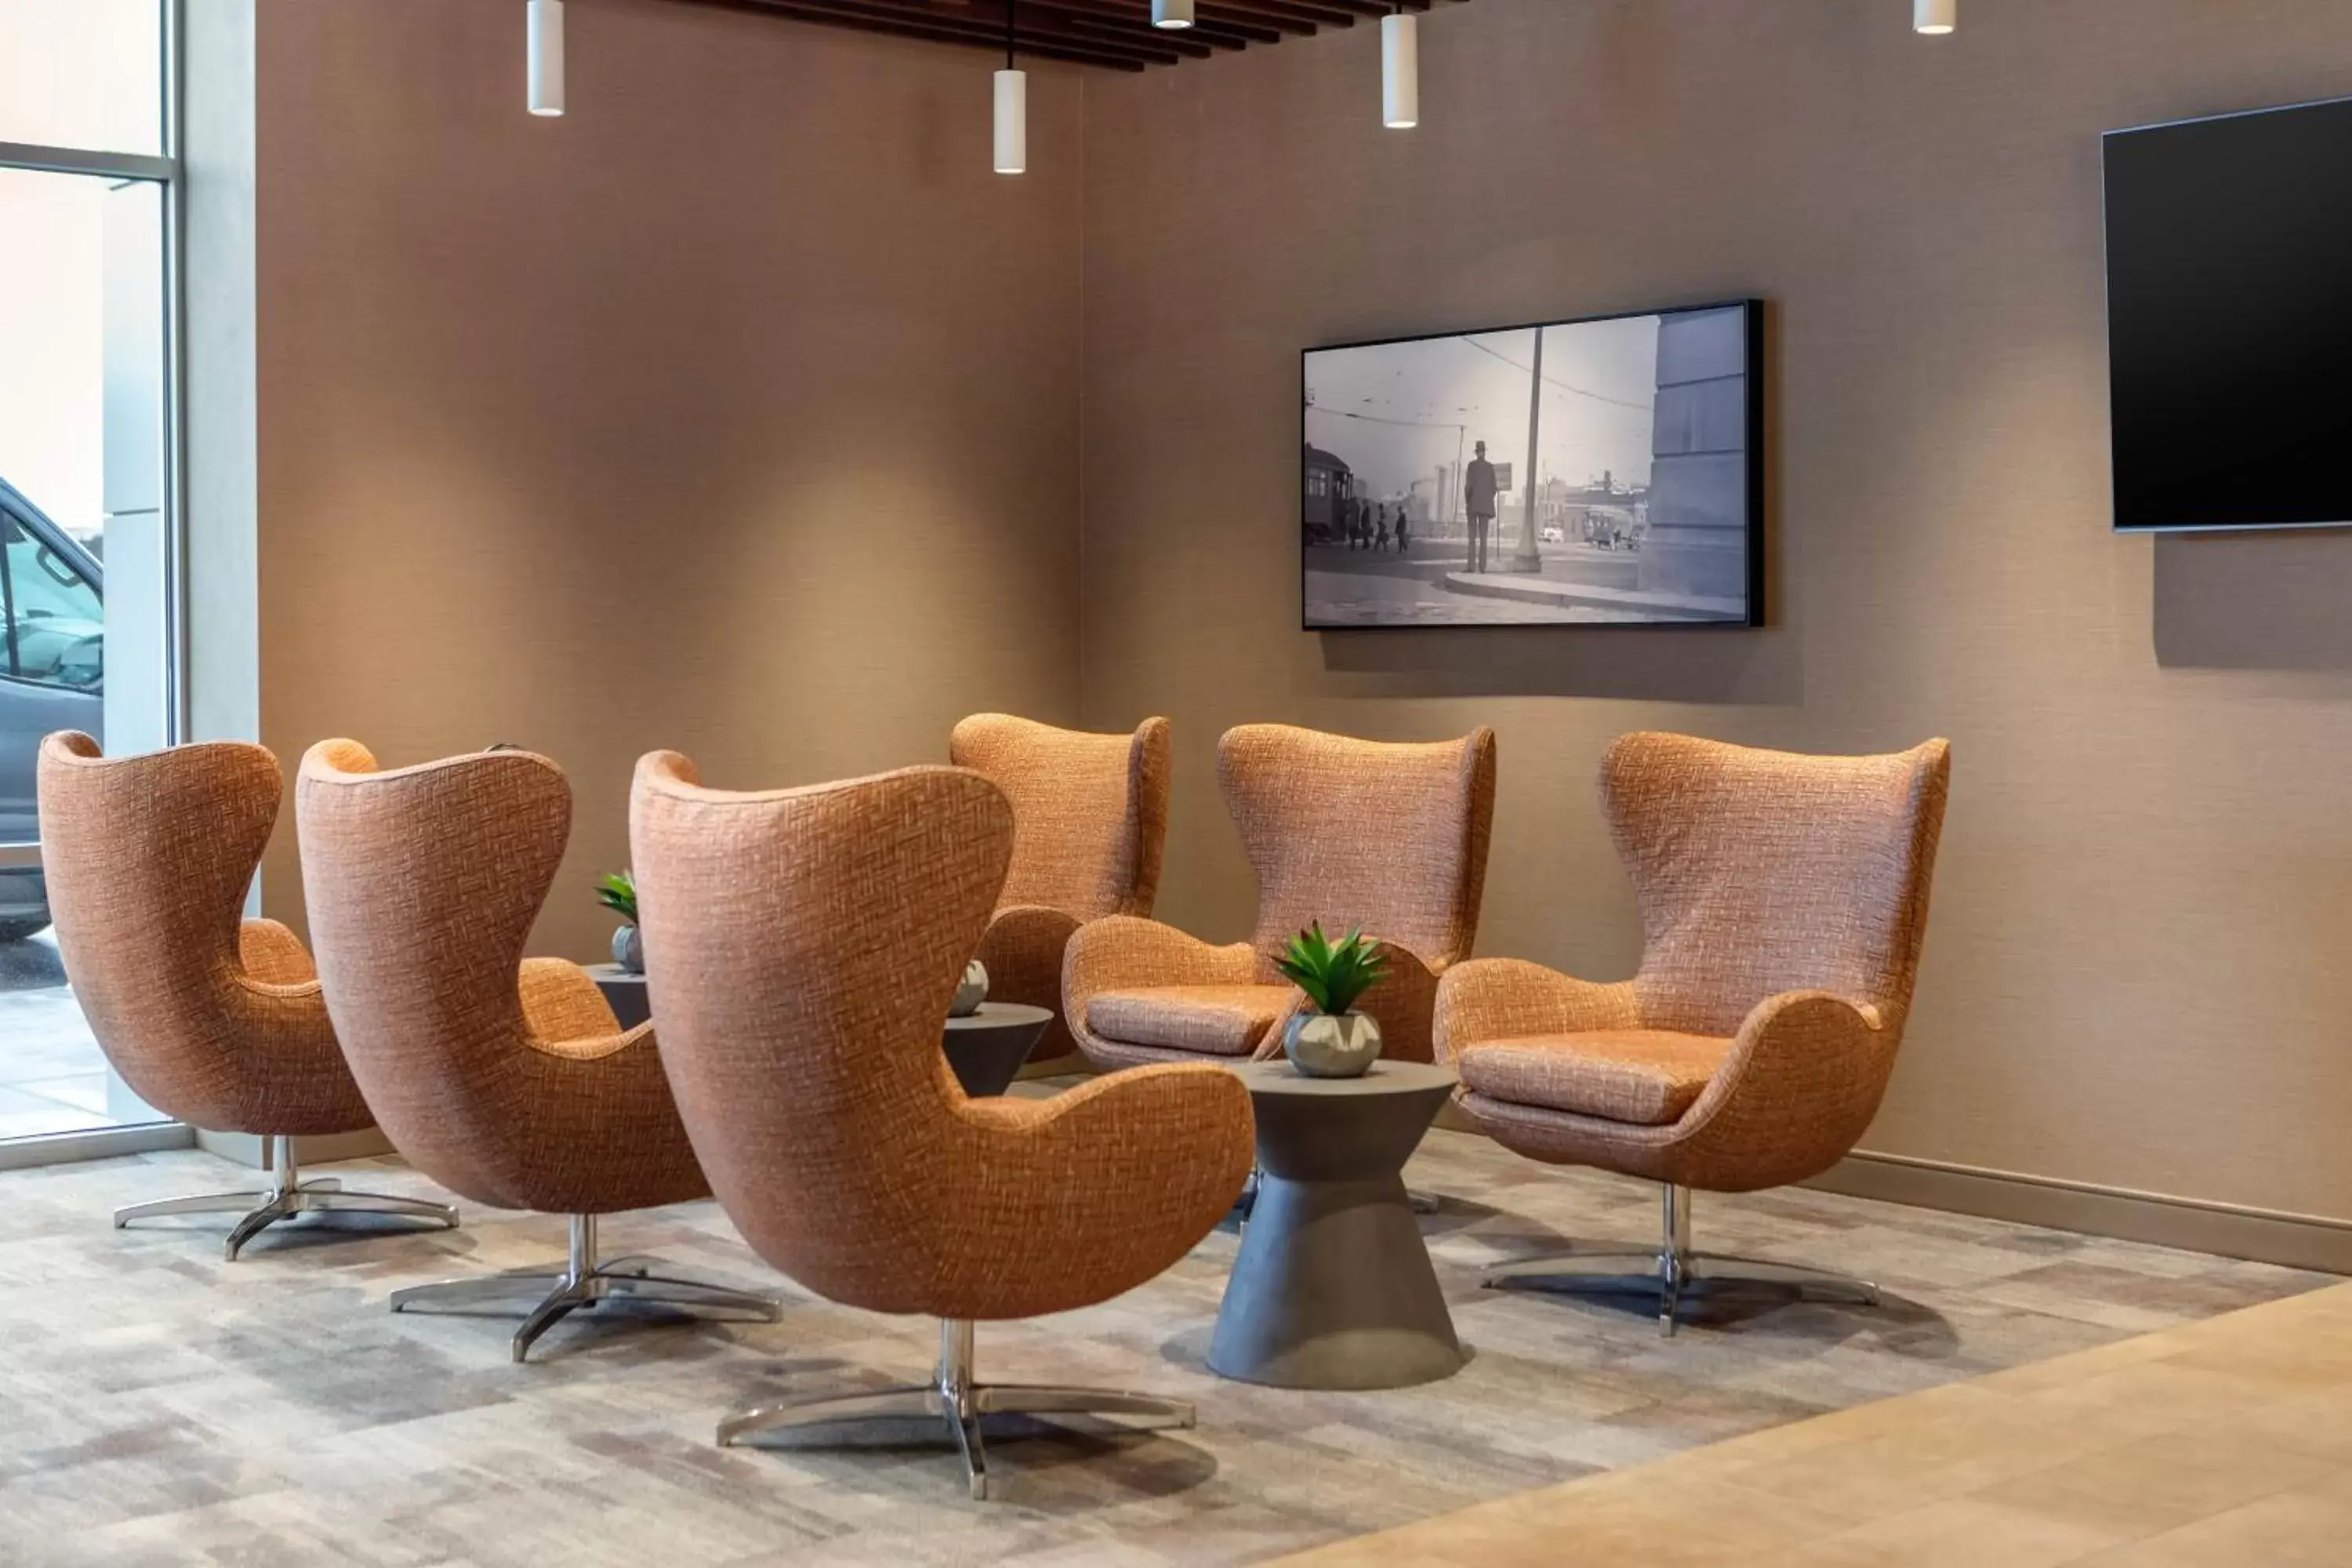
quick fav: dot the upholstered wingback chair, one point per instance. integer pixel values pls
(1355, 834)
(1089, 818)
(1783, 903)
(805, 944)
(505, 1080)
(211, 1018)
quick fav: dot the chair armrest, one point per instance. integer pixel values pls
(603, 1048)
(1204, 1109)
(1022, 949)
(1403, 1002)
(1104, 1186)
(1485, 999)
(583, 1083)
(1122, 950)
(1803, 1080)
(563, 1011)
(270, 954)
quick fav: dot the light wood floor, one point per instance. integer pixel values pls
(2227, 1443)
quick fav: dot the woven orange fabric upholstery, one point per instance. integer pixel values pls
(1090, 811)
(1646, 1076)
(1760, 872)
(274, 955)
(805, 944)
(509, 1082)
(210, 1018)
(1784, 902)
(1390, 840)
(1090, 821)
(1210, 1020)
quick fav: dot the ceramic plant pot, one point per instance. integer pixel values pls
(629, 949)
(1320, 1046)
(970, 991)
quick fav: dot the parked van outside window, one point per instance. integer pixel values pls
(52, 676)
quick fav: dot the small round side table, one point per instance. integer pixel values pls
(1333, 1287)
(986, 1050)
(625, 992)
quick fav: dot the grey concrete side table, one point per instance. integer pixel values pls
(985, 1049)
(1333, 1287)
(625, 992)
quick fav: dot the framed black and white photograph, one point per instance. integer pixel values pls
(1601, 471)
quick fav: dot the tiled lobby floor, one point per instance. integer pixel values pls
(164, 1410)
(2223, 1444)
(52, 1076)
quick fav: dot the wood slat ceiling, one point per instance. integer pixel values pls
(1116, 35)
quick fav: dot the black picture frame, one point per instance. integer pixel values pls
(1753, 487)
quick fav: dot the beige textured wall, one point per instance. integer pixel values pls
(736, 411)
(2136, 971)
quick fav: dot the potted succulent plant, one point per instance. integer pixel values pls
(1332, 1041)
(618, 892)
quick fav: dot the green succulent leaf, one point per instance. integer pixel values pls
(1332, 974)
(617, 892)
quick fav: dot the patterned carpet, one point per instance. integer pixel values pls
(160, 1407)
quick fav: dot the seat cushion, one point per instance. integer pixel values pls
(1645, 1077)
(1212, 1020)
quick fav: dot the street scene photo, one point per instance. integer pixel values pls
(1594, 472)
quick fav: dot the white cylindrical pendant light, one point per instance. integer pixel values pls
(1400, 70)
(1171, 13)
(1935, 17)
(545, 66)
(1011, 122)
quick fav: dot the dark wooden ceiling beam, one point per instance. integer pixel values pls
(1077, 16)
(1190, 42)
(915, 22)
(1115, 35)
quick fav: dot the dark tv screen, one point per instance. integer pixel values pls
(2229, 321)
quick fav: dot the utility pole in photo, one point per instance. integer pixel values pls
(1461, 441)
(1530, 557)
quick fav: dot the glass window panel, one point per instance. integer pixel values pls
(83, 562)
(82, 73)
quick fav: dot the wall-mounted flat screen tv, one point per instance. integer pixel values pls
(2229, 321)
(1606, 472)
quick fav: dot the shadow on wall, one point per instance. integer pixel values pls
(1715, 665)
(2255, 601)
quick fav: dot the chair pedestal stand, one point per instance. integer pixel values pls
(584, 1282)
(286, 1196)
(957, 1399)
(1674, 1271)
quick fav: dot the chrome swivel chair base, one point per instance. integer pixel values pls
(583, 1284)
(955, 1399)
(1674, 1271)
(287, 1195)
